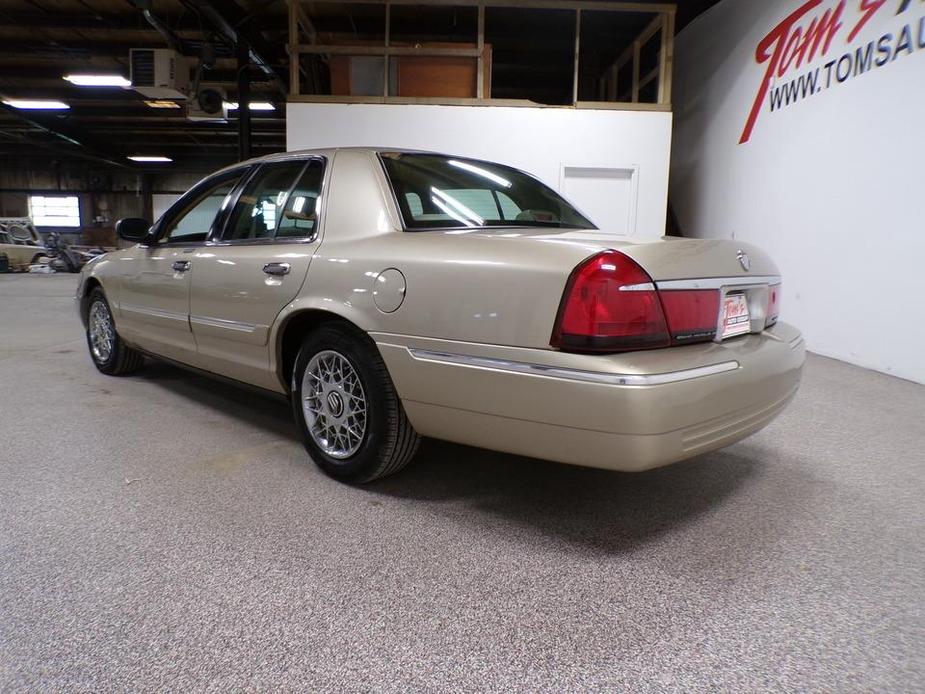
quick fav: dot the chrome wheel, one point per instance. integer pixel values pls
(99, 327)
(334, 404)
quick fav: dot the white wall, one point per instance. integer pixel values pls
(832, 185)
(542, 141)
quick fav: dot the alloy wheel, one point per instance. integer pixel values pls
(99, 326)
(334, 404)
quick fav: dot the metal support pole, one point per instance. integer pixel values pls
(244, 103)
(480, 64)
(385, 58)
(577, 51)
(294, 55)
(147, 196)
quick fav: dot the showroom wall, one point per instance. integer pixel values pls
(612, 164)
(799, 126)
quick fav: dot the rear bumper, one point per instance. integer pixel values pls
(623, 412)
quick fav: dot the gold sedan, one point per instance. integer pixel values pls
(392, 295)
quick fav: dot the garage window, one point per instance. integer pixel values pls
(54, 210)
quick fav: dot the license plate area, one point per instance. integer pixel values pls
(734, 315)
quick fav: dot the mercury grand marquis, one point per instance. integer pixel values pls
(397, 294)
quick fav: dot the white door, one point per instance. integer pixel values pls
(606, 195)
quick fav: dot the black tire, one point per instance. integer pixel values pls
(120, 359)
(388, 440)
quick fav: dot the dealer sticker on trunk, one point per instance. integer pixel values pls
(735, 320)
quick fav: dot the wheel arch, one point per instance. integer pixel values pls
(291, 332)
(90, 284)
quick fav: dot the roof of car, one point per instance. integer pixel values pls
(328, 150)
(321, 151)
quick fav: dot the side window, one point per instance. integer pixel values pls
(300, 213)
(192, 224)
(257, 210)
(479, 201)
(414, 204)
(508, 207)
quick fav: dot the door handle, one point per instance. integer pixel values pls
(277, 268)
(181, 265)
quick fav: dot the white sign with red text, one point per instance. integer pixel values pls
(798, 126)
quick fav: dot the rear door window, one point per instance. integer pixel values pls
(280, 201)
(299, 218)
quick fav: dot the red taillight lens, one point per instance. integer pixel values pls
(773, 304)
(692, 314)
(610, 304)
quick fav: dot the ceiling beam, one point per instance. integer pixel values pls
(76, 21)
(63, 142)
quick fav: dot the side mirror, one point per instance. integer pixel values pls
(133, 229)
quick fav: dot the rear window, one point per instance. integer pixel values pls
(437, 191)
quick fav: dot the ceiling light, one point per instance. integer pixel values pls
(98, 80)
(36, 104)
(150, 159)
(254, 105)
(162, 103)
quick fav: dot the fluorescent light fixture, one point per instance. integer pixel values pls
(161, 103)
(37, 104)
(479, 171)
(98, 80)
(150, 159)
(254, 105)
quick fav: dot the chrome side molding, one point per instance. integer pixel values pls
(223, 323)
(602, 377)
(156, 313)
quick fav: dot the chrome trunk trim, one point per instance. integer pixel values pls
(603, 377)
(717, 282)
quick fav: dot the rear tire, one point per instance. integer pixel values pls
(351, 419)
(107, 350)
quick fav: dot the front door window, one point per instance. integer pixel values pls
(193, 222)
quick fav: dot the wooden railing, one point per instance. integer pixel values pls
(612, 90)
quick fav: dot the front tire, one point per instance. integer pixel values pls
(351, 419)
(107, 350)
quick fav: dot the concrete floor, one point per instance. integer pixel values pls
(166, 532)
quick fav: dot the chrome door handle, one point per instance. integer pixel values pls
(181, 265)
(277, 268)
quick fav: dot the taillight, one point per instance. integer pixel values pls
(610, 304)
(773, 304)
(692, 314)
